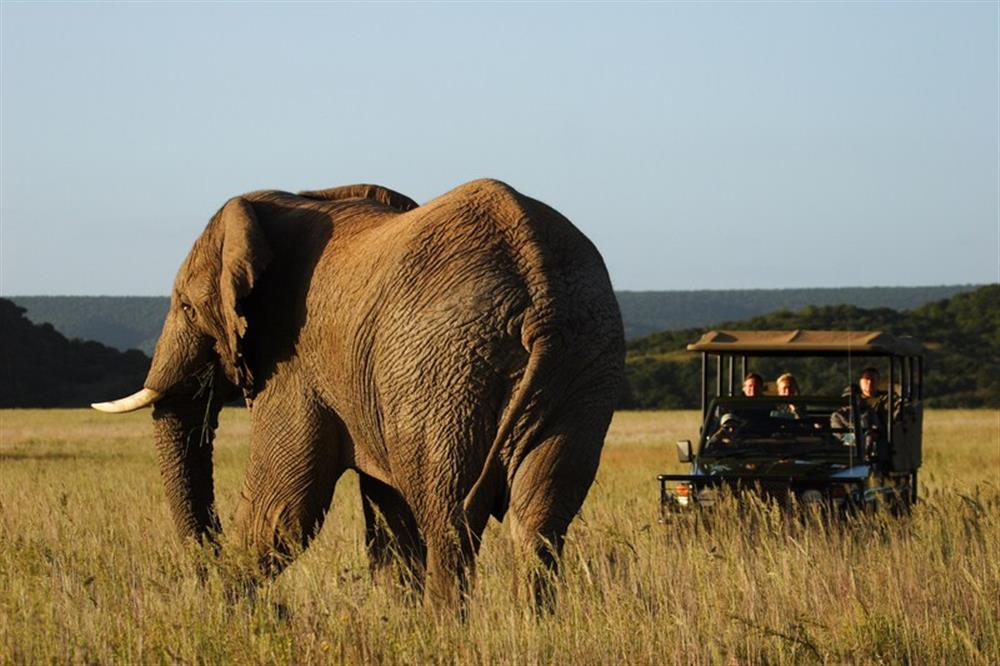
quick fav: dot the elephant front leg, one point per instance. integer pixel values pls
(294, 466)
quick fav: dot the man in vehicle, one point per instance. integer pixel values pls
(871, 396)
(872, 404)
(726, 433)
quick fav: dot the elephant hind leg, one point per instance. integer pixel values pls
(450, 566)
(547, 491)
(451, 554)
(392, 538)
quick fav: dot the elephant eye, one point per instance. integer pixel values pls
(188, 310)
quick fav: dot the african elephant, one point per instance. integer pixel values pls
(462, 356)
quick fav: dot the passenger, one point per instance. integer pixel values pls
(753, 385)
(788, 386)
(752, 416)
(726, 432)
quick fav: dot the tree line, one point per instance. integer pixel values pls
(961, 334)
(133, 322)
(40, 367)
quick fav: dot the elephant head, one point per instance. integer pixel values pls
(200, 353)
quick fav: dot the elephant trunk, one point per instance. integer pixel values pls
(185, 431)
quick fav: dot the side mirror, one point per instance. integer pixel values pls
(684, 450)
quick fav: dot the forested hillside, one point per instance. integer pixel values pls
(962, 336)
(122, 322)
(132, 322)
(39, 367)
(646, 312)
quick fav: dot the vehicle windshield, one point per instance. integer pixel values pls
(779, 427)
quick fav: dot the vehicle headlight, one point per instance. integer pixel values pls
(683, 493)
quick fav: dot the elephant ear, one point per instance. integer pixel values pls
(245, 255)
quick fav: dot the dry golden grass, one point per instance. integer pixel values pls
(91, 571)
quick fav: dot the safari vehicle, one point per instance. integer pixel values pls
(820, 450)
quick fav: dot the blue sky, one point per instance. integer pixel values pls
(700, 146)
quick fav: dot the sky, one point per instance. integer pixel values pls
(698, 145)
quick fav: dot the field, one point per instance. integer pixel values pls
(91, 571)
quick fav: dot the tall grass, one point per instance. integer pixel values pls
(91, 571)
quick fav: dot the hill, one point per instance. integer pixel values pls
(39, 367)
(122, 322)
(962, 335)
(646, 312)
(132, 322)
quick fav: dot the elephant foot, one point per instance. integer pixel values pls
(543, 584)
(447, 589)
(207, 557)
(405, 581)
(254, 593)
(241, 588)
(540, 556)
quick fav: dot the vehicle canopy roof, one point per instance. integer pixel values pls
(807, 343)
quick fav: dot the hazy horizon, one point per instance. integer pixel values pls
(971, 285)
(710, 146)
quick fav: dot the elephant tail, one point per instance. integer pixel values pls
(521, 402)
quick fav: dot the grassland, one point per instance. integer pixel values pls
(91, 571)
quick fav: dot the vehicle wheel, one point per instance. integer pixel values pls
(901, 503)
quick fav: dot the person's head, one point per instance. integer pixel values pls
(753, 385)
(787, 384)
(868, 382)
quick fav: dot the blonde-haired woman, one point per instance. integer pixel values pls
(788, 386)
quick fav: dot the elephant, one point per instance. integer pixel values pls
(462, 356)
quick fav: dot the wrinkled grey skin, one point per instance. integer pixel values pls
(462, 356)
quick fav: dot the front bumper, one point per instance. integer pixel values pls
(684, 492)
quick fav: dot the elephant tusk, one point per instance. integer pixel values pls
(131, 403)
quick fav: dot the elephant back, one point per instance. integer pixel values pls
(382, 195)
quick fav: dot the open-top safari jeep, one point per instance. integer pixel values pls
(802, 450)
